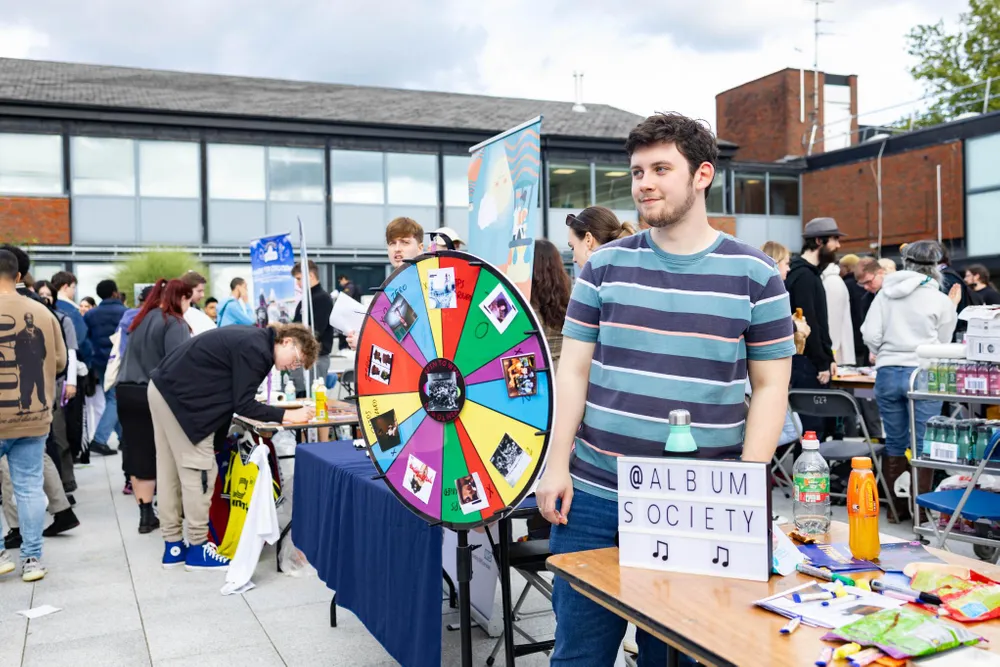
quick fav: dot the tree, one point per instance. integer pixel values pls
(148, 267)
(952, 61)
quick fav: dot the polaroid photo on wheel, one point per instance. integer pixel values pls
(441, 288)
(399, 317)
(386, 430)
(499, 308)
(520, 375)
(510, 460)
(471, 494)
(442, 392)
(380, 365)
(419, 479)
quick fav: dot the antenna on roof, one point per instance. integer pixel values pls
(817, 33)
(578, 90)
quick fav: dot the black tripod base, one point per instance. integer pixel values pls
(463, 560)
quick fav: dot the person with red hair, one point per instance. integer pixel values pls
(156, 331)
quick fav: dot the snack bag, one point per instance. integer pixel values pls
(939, 584)
(977, 604)
(900, 633)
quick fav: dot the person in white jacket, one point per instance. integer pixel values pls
(838, 307)
(910, 310)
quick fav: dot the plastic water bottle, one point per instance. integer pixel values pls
(680, 442)
(811, 505)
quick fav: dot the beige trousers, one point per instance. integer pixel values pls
(53, 490)
(185, 475)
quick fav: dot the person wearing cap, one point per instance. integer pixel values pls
(814, 368)
(909, 311)
(447, 238)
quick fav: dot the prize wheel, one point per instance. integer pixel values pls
(454, 389)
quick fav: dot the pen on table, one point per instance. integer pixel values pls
(866, 657)
(823, 573)
(791, 626)
(809, 597)
(846, 650)
(881, 586)
(825, 657)
(849, 596)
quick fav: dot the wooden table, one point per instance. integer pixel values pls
(341, 413)
(713, 619)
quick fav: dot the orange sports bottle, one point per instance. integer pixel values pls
(862, 508)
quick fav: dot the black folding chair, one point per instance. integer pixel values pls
(828, 403)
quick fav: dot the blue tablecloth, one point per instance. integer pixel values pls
(382, 560)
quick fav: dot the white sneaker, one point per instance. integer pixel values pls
(32, 570)
(6, 564)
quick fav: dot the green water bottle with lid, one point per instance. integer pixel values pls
(680, 442)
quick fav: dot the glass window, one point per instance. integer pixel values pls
(357, 225)
(357, 177)
(716, 202)
(750, 193)
(456, 180)
(569, 186)
(88, 275)
(296, 174)
(169, 169)
(103, 166)
(982, 168)
(236, 172)
(31, 164)
(983, 217)
(412, 179)
(784, 195)
(614, 188)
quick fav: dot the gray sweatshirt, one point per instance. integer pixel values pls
(910, 310)
(151, 341)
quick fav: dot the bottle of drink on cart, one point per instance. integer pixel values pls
(811, 504)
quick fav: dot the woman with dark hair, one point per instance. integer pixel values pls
(550, 290)
(86, 303)
(157, 330)
(591, 228)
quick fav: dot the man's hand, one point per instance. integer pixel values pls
(955, 294)
(555, 485)
(70, 391)
(824, 377)
(352, 340)
(299, 416)
(833, 370)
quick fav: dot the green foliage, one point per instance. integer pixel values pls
(948, 61)
(148, 267)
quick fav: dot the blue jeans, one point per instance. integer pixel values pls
(891, 385)
(587, 634)
(109, 419)
(26, 456)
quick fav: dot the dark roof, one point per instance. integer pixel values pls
(77, 85)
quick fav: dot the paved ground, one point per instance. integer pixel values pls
(119, 607)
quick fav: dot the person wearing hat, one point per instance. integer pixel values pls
(447, 238)
(909, 311)
(814, 368)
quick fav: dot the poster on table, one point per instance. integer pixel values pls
(503, 196)
(271, 261)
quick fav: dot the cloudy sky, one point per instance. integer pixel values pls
(655, 56)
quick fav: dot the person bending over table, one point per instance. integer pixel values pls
(193, 394)
(709, 307)
(404, 239)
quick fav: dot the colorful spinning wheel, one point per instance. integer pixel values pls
(454, 389)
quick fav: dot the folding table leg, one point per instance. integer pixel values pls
(333, 611)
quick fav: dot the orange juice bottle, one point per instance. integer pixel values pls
(862, 508)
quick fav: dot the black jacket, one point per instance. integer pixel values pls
(805, 291)
(857, 293)
(322, 307)
(950, 278)
(213, 375)
(986, 296)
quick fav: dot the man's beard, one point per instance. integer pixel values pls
(826, 257)
(671, 218)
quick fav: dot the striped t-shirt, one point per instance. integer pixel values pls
(671, 331)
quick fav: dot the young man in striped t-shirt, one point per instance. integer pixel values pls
(674, 317)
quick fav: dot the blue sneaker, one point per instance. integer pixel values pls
(174, 554)
(205, 557)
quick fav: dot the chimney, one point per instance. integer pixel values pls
(578, 86)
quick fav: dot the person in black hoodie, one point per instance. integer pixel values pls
(815, 367)
(321, 304)
(193, 394)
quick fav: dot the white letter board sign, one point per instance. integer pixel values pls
(695, 516)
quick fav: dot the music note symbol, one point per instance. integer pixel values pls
(656, 554)
(718, 553)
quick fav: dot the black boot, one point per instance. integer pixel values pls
(13, 539)
(147, 518)
(63, 521)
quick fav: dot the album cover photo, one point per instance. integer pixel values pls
(519, 375)
(499, 308)
(419, 479)
(386, 430)
(510, 460)
(442, 392)
(380, 365)
(400, 317)
(441, 288)
(471, 494)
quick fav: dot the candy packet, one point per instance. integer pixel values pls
(900, 633)
(981, 603)
(939, 584)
